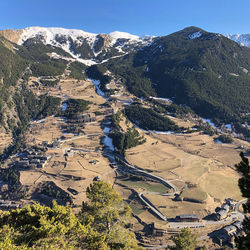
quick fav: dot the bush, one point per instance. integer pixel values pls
(225, 138)
(49, 83)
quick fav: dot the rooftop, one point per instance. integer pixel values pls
(193, 216)
(230, 228)
(222, 212)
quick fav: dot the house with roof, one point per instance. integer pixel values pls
(188, 218)
(221, 214)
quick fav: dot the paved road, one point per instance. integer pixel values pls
(154, 177)
(80, 136)
(154, 209)
(239, 204)
(237, 215)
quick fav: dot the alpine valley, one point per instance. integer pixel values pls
(163, 119)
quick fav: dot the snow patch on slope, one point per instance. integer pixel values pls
(195, 35)
(243, 40)
(123, 35)
(75, 58)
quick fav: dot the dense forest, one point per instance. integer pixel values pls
(126, 140)
(77, 70)
(74, 107)
(149, 119)
(121, 139)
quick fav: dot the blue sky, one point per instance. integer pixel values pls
(139, 17)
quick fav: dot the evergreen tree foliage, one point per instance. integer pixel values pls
(77, 70)
(100, 225)
(74, 107)
(48, 68)
(225, 138)
(243, 242)
(97, 72)
(185, 240)
(149, 119)
(206, 73)
(108, 215)
(126, 140)
(37, 225)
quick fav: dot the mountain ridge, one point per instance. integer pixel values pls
(205, 71)
(81, 45)
(15, 35)
(99, 46)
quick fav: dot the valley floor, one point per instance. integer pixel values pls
(201, 169)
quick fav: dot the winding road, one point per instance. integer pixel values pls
(236, 215)
(135, 169)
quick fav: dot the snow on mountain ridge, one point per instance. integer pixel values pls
(242, 39)
(124, 35)
(71, 39)
(50, 33)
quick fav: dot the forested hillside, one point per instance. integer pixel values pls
(18, 104)
(205, 71)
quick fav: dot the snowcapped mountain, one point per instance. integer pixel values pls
(88, 48)
(243, 39)
(49, 35)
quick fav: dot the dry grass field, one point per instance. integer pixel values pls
(194, 159)
(194, 194)
(5, 141)
(171, 208)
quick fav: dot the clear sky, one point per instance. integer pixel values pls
(139, 17)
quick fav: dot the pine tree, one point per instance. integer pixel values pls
(185, 240)
(243, 242)
(109, 215)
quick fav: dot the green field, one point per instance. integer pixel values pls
(136, 210)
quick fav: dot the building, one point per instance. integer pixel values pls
(225, 207)
(188, 218)
(34, 161)
(221, 214)
(227, 235)
(231, 203)
(108, 111)
(229, 230)
(238, 225)
(85, 118)
(22, 163)
(8, 205)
